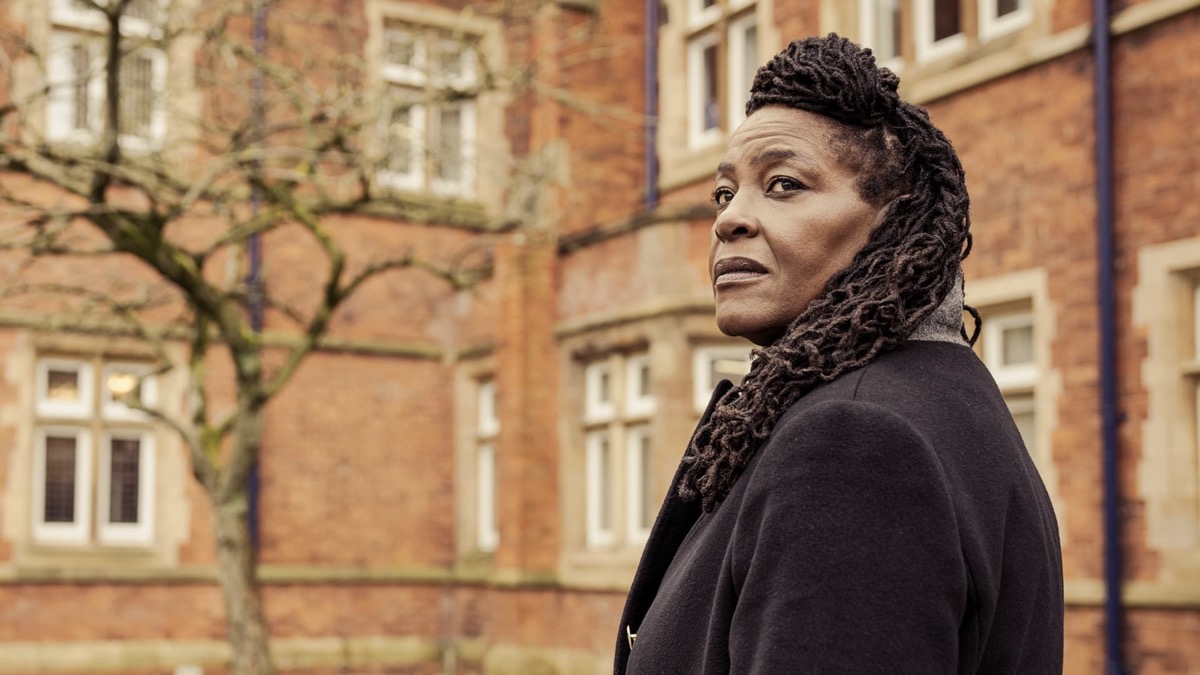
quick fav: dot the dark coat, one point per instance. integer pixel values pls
(892, 523)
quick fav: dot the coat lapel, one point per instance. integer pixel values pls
(674, 521)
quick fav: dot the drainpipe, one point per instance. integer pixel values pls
(1109, 411)
(254, 250)
(650, 77)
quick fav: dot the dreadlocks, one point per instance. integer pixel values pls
(901, 275)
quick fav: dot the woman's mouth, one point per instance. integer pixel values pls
(734, 270)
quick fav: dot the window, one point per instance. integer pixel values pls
(713, 364)
(938, 28)
(722, 58)
(997, 17)
(76, 71)
(618, 402)
(429, 119)
(880, 29)
(1166, 314)
(641, 507)
(1015, 345)
(81, 423)
(929, 30)
(487, 426)
(1008, 346)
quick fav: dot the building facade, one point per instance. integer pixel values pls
(462, 481)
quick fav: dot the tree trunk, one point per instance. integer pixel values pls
(236, 568)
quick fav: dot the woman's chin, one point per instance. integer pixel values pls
(759, 332)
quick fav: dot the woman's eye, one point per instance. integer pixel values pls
(783, 184)
(721, 196)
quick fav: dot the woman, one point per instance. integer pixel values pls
(862, 502)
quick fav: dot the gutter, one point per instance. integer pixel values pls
(1106, 263)
(650, 77)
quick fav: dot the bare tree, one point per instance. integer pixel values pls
(276, 140)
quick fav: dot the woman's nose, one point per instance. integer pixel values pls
(735, 221)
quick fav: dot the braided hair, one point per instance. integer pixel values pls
(907, 267)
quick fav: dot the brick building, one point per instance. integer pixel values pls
(461, 483)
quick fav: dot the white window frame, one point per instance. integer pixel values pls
(638, 441)
(927, 49)
(87, 29)
(65, 13)
(699, 16)
(738, 87)
(75, 533)
(637, 405)
(1021, 376)
(992, 26)
(416, 76)
(140, 533)
(115, 410)
(597, 466)
(702, 384)
(596, 410)
(60, 82)
(867, 22)
(80, 409)
(698, 136)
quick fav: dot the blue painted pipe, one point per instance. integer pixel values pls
(1109, 408)
(650, 77)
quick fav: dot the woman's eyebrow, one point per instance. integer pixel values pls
(772, 156)
(776, 155)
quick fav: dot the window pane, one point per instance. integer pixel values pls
(729, 369)
(141, 9)
(399, 47)
(946, 19)
(449, 64)
(886, 29)
(1018, 345)
(604, 484)
(486, 422)
(62, 385)
(400, 140)
(711, 110)
(1004, 7)
(450, 144)
(643, 375)
(646, 516)
(603, 395)
(124, 475)
(81, 66)
(487, 497)
(137, 95)
(59, 500)
(750, 58)
(122, 383)
(1021, 407)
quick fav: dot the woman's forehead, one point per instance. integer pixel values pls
(777, 133)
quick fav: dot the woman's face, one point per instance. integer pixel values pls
(789, 218)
